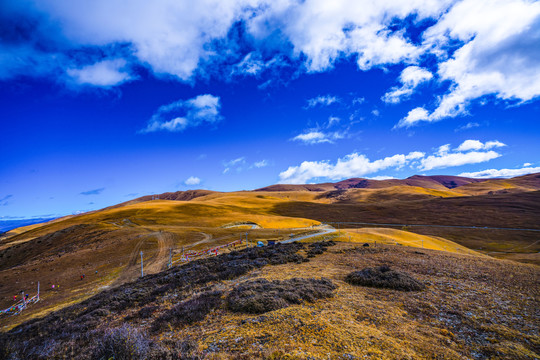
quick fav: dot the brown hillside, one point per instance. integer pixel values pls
(439, 182)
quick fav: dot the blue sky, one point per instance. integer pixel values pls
(103, 101)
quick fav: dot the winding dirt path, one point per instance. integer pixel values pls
(153, 264)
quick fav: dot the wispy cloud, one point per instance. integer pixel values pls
(104, 73)
(261, 164)
(469, 125)
(318, 137)
(181, 114)
(237, 164)
(93, 192)
(5, 200)
(322, 100)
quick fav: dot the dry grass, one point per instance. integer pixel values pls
(405, 238)
(469, 310)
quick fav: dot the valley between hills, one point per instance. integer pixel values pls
(472, 245)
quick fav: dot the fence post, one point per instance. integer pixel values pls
(38, 290)
(142, 273)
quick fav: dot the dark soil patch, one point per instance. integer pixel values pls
(384, 277)
(260, 296)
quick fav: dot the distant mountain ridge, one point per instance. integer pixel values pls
(437, 182)
(6, 225)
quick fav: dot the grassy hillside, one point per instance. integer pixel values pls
(468, 308)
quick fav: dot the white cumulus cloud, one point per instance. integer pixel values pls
(499, 55)
(457, 159)
(501, 173)
(414, 116)
(410, 78)
(192, 180)
(478, 145)
(352, 165)
(181, 114)
(355, 164)
(482, 49)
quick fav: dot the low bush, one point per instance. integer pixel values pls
(122, 343)
(318, 248)
(147, 311)
(190, 311)
(260, 295)
(384, 277)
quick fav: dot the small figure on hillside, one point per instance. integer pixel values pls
(14, 297)
(82, 276)
(53, 286)
(96, 272)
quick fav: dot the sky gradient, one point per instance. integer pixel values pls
(104, 101)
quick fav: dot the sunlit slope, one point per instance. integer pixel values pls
(213, 210)
(393, 193)
(524, 183)
(405, 238)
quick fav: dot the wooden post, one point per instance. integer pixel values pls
(142, 273)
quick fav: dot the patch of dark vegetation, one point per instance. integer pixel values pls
(147, 311)
(384, 277)
(319, 247)
(373, 249)
(190, 311)
(260, 295)
(67, 328)
(129, 343)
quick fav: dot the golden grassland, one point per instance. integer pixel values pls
(110, 240)
(397, 193)
(405, 238)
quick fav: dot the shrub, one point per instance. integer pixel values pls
(122, 343)
(147, 311)
(260, 295)
(318, 248)
(384, 277)
(190, 311)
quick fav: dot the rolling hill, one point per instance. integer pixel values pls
(446, 219)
